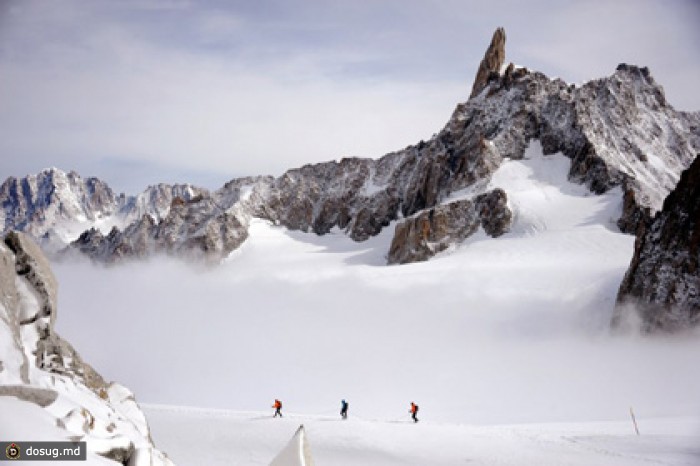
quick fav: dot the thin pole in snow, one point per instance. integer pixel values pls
(634, 421)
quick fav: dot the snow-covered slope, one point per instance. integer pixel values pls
(225, 438)
(296, 453)
(47, 392)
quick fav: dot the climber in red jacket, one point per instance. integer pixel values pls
(414, 411)
(278, 408)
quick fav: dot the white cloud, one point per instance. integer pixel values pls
(490, 333)
(586, 40)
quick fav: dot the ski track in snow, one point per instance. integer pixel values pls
(491, 332)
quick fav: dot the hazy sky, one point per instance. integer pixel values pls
(137, 92)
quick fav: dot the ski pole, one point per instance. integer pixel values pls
(634, 421)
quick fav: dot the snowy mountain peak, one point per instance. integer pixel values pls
(49, 204)
(156, 201)
(617, 131)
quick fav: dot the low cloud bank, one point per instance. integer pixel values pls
(469, 342)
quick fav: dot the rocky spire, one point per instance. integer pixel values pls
(493, 60)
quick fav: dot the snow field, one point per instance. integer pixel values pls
(24, 421)
(249, 438)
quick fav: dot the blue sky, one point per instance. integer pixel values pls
(138, 92)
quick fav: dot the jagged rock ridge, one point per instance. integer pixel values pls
(617, 131)
(203, 226)
(54, 207)
(40, 367)
(662, 283)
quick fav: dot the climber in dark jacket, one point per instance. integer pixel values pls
(344, 409)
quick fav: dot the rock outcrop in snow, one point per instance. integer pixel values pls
(38, 366)
(617, 131)
(433, 230)
(662, 283)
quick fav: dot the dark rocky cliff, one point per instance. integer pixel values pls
(662, 283)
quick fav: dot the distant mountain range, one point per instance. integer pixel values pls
(618, 131)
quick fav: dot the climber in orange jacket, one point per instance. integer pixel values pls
(278, 408)
(414, 411)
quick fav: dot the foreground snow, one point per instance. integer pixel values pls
(24, 421)
(195, 436)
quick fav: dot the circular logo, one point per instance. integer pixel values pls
(12, 451)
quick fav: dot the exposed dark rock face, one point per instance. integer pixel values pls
(490, 66)
(603, 127)
(496, 217)
(662, 283)
(634, 217)
(433, 230)
(361, 196)
(620, 131)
